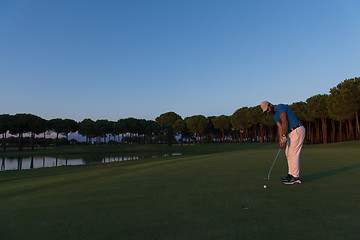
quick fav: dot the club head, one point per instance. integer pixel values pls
(266, 179)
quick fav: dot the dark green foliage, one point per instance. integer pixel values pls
(223, 124)
(168, 122)
(335, 115)
(197, 124)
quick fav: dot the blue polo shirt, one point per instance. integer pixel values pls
(292, 120)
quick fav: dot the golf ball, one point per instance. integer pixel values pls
(265, 186)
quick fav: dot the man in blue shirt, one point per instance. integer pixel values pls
(292, 134)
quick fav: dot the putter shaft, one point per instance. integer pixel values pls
(268, 178)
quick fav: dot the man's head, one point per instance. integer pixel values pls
(267, 107)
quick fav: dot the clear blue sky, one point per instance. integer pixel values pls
(138, 58)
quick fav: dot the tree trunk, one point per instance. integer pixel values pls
(261, 133)
(20, 142)
(255, 136)
(351, 131)
(340, 132)
(212, 137)
(4, 142)
(311, 133)
(333, 132)
(324, 130)
(357, 126)
(3, 164)
(32, 141)
(20, 159)
(32, 162)
(44, 143)
(271, 134)
(308, 132)
(317, 126)
(347, 131)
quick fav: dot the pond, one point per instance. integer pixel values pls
(23, 163)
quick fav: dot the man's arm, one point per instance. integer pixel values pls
(284, 125)
(282, 129)
(279, 129)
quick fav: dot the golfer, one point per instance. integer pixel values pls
(292, 134)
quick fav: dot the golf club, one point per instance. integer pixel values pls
(268, 177)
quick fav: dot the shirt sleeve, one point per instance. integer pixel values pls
(279, 110)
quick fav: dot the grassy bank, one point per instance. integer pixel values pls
(194, 196)
(93, 151)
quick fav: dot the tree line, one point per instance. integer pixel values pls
(327, 118)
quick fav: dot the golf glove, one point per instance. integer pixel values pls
(283, 138)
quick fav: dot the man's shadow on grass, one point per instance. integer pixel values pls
(319, 175)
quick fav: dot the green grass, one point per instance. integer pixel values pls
(194, 196)
(71, 150)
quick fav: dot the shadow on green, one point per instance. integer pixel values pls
(320, 175)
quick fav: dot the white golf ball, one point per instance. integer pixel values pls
(265, 186)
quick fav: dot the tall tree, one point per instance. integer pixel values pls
(56, 125)
(37, 125)
(19, 125)
(87, 128)
(197, 124)
(319, 111)
(344, 104)
(120, 127)
(223, 124)
(268, 127)
(241, 122)
(69, 126)
(152, 129)
(103, 128)
(257, 119)
(141, 124)
(211, 131)
(5, 120)
(168, 120)
(132, 127)
(179, 127)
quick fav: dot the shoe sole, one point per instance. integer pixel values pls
(296, 182)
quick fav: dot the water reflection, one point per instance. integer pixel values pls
(22, 163)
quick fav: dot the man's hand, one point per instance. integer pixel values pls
(282, 141)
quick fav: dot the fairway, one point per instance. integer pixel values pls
(200, 196)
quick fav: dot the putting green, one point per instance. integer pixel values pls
(207, 196)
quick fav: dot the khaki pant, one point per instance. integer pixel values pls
(293, 148)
